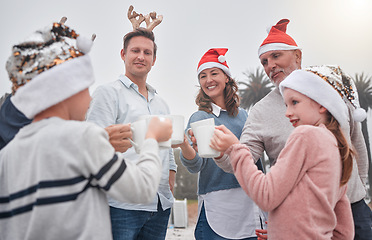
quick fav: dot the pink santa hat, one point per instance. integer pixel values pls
(278, 39)
(214, 57)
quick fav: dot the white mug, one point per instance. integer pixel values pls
(194, 125)
(203, 135)
(178, 126)
(139, 130)
(147, 118)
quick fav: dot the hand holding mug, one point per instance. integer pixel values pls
(192, 138)
(140, 130)
(182, 144)
(119, 135)
(159, 130)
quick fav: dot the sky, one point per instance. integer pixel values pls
(328, 31)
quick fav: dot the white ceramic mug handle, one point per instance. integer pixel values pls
(188, 135)
(133, 143)
(130, 140)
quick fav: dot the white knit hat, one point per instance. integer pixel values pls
(53, 63)
(330, 87)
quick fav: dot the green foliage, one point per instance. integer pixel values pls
(257, 85)
(364, 87)
(186, 182)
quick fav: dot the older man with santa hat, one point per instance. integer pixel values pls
(267, 128)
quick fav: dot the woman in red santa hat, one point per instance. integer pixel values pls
(225, 211)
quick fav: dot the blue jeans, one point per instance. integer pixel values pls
(204, 232)
(362, 220)
(137, 225)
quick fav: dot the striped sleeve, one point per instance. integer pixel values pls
(126, 181)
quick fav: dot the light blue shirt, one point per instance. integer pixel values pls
(120, 102)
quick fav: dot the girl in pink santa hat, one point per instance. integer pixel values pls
(225, 211)
(305, 191)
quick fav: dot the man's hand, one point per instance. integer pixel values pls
(119, 135)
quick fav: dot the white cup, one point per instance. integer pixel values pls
(204, 122)
(203, 135)
(147, 118)
(178, 125)
(139, 130)
(203, 131)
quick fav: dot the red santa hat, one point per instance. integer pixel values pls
(214, 57)
(278, 39)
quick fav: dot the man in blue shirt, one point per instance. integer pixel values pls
(122, 102)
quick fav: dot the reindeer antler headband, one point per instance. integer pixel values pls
(151, 20)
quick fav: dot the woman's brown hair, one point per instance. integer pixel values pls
(231, 98)
(346, 152)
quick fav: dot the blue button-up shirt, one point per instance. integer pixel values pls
(120, 102)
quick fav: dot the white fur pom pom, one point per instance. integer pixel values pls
(84, 44)
(359, 114)
(221, 59)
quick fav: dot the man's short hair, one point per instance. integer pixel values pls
(137, 33)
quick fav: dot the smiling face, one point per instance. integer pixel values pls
(278, 64)
(213, 82)
(302, 110)
(138, 57)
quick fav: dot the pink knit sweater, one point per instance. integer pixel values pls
(302, 191)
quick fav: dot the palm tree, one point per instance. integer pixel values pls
(364, 86)
(257, 86)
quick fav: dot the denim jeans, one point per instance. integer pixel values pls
(204, 232)
(362, 220)
(137, 225)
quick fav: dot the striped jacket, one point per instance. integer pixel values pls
(54, 177)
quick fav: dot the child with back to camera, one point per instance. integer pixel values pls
(56, 173)
(304, 192)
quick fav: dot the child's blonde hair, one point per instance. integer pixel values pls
(345, 150)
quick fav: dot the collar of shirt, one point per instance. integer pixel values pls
(128, 83)
(216, 110)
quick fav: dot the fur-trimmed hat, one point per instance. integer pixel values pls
(214, 57)
(278, 39)
(48, 67)
(330, 87)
